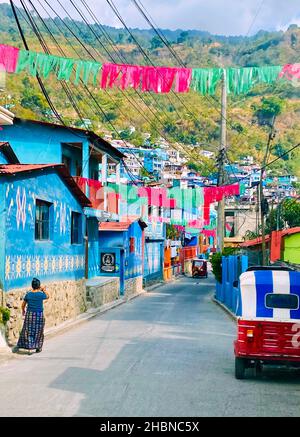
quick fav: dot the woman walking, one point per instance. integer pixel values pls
(32, 334)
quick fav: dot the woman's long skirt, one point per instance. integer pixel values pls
(32, 334)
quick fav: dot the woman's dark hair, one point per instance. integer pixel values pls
(36, 284)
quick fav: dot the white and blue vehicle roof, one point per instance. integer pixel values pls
(270, 294)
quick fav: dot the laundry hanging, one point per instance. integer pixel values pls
(209, 232)
(183, 80)
(44, 64)
(290, 71)
(241, 80)
(215, 194)
(8, 58)
(205, 80)
(147, 78)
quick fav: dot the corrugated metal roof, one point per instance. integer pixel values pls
(258, 241)
(114, 226)
(255, 241)
(291, 231)
(10, 169)
(120, 226)
(14, 169)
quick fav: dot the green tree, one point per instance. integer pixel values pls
(183, 37)
(31, 99)
(156, 43)
(291, 212)
(121, 38)
(268, 110)
(271, 220)
(125, 134)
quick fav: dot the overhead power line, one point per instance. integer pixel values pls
(140, 109)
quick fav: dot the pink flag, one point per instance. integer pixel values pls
(290, 71)
(183, 80)
(8, 58)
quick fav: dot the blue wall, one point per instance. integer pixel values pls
(3, 159)
(232, 267)
(128, 264)
(134, 260)
(153, 260)
(2, 234)
(154, 251)
(41, 144)
(93, 252)
(24, 257)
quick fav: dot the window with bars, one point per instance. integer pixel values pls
(42, 220)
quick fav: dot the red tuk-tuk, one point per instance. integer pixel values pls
(268, 319)
(199, 268)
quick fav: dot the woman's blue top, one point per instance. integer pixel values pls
(35, 300)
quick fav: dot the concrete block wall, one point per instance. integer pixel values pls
(106, 291)
(67, 300)
(133, 286)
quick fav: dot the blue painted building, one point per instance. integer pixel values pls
(155, 236)
(42, 225)
(85, 155)
(36, 142)
(153, 160)
(121, 252)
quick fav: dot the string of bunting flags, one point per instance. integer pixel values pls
(159, 80)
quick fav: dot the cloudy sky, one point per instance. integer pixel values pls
(226, 17)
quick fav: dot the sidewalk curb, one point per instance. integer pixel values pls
(162, 283)
(7, 354)
(227, 310)
(89, 314)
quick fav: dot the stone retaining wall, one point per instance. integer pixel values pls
(67, 300)
(105, 292)
(133, 286)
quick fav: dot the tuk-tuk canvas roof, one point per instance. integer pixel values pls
(256, 285)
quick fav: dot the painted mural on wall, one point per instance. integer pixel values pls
(24, 256)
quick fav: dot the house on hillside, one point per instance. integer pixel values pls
(42, 229)
(282, 245)
(122, 254)
(86, 157)
(85, 154)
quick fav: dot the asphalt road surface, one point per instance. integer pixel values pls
(166, 353)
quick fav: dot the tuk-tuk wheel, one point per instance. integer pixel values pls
(240, 367)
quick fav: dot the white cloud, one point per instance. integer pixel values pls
(228, 17)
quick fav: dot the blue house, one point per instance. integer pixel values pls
(85, 155)
(155, 161)
(82, 151)
(42, 225)
(122, 253)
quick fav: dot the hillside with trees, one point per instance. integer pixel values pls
(191, 121)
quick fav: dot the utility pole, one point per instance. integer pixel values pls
(262, 201)
(221, 162)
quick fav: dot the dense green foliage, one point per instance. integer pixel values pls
(216, 261)
(185, 119)
(4, 315)
(285, 214)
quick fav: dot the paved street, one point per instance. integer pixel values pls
(167, 353)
